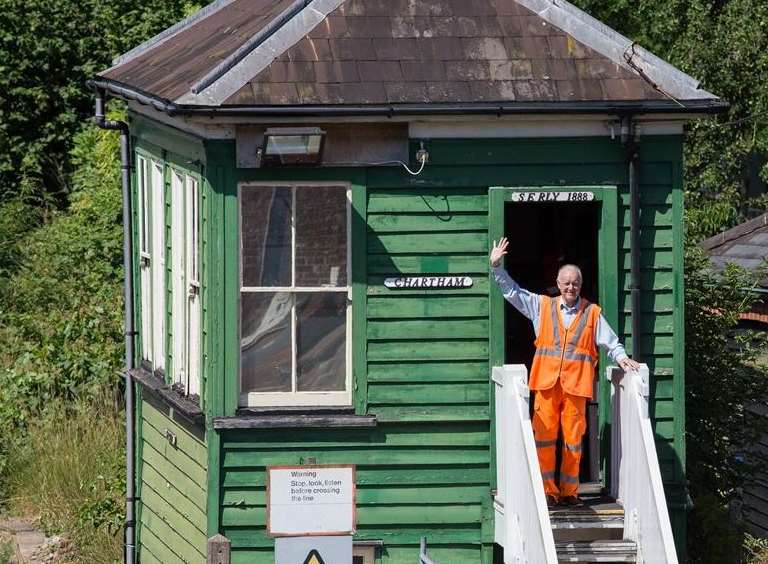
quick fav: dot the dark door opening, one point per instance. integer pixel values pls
(543, 237)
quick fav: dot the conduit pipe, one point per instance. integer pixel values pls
(629, 138)
(130, 332)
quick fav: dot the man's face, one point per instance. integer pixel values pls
(569, 284)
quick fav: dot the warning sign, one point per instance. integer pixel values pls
(310, 500)
(314, 558)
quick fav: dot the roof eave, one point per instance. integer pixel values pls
(695, 106)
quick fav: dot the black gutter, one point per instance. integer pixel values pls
(130, 333)
(706, 106)
(629, 141)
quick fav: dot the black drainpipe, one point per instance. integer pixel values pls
(130, 333)
(629, 141)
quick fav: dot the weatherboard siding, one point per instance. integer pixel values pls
(172, 489)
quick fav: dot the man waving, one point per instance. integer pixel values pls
(568, 331)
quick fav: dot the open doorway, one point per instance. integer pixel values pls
(544, 236)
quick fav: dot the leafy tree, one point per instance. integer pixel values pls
(47, 52)
(724, 44)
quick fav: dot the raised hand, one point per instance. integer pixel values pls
(498, 251)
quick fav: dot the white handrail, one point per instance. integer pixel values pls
(522, 517)
(635, 473)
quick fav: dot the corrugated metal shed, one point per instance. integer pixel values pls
(368, 52)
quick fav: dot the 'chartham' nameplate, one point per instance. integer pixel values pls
(543, 197)
(428, 282)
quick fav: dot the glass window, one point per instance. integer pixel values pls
(295, 295)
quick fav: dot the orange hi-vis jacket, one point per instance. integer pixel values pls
(569, 354)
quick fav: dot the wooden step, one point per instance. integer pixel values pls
(607, 551)
(600, 518)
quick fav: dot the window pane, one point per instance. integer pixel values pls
(266, 232)
(265, 342)
(321, 341)
(321, 236)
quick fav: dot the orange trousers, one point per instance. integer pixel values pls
(553, 409)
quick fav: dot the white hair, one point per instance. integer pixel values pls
(573, 267)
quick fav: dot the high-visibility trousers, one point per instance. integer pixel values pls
(554, 409)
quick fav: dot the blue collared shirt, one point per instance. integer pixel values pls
(529, 304)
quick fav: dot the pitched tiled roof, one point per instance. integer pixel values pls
(745, 245)
(367, 52)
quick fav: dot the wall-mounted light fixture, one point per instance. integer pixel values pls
(292, 146)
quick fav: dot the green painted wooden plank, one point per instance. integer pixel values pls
(658, 259)
(427, 350)
(663, 408)
(480, 286)
(399, 189)
(396, 223)
(185, 441)
(171, 538)
(408, 456)
(424, 513)
(446, 371)
(469, 434)
(446, 494)
(190, 531)
(430, 393)
(156, 546)
(145, 556)
(427, 413)
(429, 264)
(650, 216)
(663, 428)
(406, 533)
(466, 242)
(650, 195)
(191, 488)
(679, 360)
(386, 475)
(177, 457)
(655, 344)
(359, 298)
(659, 301)
(175, 497)
(429, 329)
(442, 205)
(650, 238)
(662, 322)
(649, 280)
(431, 306)
(253, 556)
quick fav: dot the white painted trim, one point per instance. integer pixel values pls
(294, 397)
(145, 265)
(157, 185)
(178, 286)
(258, 59)
(207, 128)
(193, 302)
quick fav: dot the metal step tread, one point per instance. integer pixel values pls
(586, 520)
(597, 551)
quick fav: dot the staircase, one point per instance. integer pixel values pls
(530, 533)
(592, 533)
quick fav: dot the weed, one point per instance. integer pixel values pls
(68, 471)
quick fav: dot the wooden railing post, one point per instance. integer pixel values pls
(218, 550)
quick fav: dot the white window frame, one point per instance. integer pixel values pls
(157, 222)
(145, 256)
(192, 272)
(295, 398)
(185, 280)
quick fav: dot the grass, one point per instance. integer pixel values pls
(6, 551)
(69, 473)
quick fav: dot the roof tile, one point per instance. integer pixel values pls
(374, 71)
(310, 49)
(401, 92)
(515, 69)
(467, 70)
(446, 91)
(486, 48)
(352, 49)
(336, 71)
(402, 49)
(418, 70)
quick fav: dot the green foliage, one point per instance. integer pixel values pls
(6, 551)
(722, 376)
(61, 310)
(47, 52)
(723, 44)
(69, 472)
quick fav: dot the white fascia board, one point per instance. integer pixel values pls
(207, 129)
(263, 55)
(608, 42)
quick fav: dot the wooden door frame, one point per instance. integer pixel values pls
(608, 293)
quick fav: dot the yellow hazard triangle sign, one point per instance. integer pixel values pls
(314, 558)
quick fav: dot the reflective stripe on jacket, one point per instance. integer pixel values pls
(569, 354)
